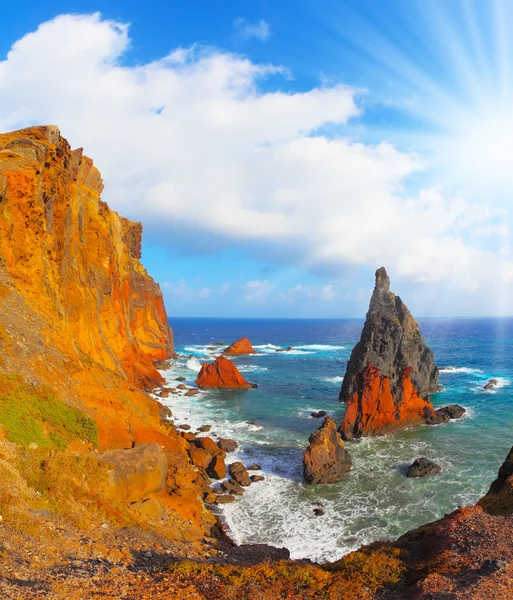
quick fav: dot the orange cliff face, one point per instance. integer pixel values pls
(240, 347)
(372, 410)
(75, 261)
(222, 374)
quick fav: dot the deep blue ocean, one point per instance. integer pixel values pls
(375, 500)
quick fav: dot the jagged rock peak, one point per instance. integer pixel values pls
(391, 341)
(391, 371)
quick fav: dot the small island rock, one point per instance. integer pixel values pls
(222, 374)
(422, 467)
(326, 460)
(240, 347)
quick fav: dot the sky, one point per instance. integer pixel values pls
(278, 153)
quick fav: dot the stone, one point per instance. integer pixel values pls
(255, 478)
(187, 435)
(391, 371)
(225, 499)
(289, 349)
(319, 414)
(326, 460)
(217, 468)
(181, 378)
(232, 487)
(222, 374)
(181, 386)
(150, 507)
(227, 445)
(238, 472)
(422, 467)
(254, 467)
(184, 426)
(135, 472)
(205, 428)
(165, 413)
(209, 498)
(446, 413)
(199, 457)
(319, 512)
(491, 384)
(192, 393)
(240, 347)
(210, 446)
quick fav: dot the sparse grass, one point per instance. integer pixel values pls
(36, 415)
(355, 577)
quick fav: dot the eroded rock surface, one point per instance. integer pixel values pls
(326, 460)
(222, 374)
(391, 371)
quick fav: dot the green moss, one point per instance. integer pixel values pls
(36, 414)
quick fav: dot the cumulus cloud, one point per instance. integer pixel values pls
(257, 290)
(194, 143)
(247, 31)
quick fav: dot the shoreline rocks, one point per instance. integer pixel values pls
(391, 371)
(326, 460)
(447, 413)
(222, 374)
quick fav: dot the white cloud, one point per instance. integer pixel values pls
(247, 31)
(257, 291)
(191, 145)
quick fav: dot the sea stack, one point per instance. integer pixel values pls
(391, 371)
(240, 347)
(222, 374)
(326, 460)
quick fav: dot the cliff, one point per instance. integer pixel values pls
(76, 261)
(391, 371)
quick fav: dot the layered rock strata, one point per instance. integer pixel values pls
(75, 260)
(325, 460)
(391, 371)
(240, 347)
(222, 374)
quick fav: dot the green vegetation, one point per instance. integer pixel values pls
(36, 415)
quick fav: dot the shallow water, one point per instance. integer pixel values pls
(375, 500)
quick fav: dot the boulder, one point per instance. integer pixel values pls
(217, 468)
(254, 468)
(222, 374)
(240, 347)
(319, 414)
(181, 386)
(255, 478)
(181, 378)
(491, 384)
(199, 457)
(289, 349)
(446, 413)
(422, 467)
(184, 426)
(225, 499)
(319, 512)
(205, 428)
(326, 460)
(391, 371)
(232, 487)
(136, 472)
(227, 445)
(239, 473)
(191, 393)
(209, 498)
(210, 446)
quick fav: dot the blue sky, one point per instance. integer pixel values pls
(277, 153)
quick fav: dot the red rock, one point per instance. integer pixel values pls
(222, 374)
(217, 468)
(371, 409)
(242, 346)
(326, 460)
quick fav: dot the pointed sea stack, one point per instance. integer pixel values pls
(222, 374)
(391, 371)
(240, 347)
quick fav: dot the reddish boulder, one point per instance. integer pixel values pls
(242, 346)
(326, 460)
(222, 374)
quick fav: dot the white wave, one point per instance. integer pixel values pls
(267, 347)
(193, 364)
(501, 383)
(337, 379)
(250, 368)
(467, 370)
(321, 347)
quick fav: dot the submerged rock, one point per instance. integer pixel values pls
(222, 374)
(391, 371)
(318, 414)
(325, 460)
(491, 384)
(240, 347)
(422, 467)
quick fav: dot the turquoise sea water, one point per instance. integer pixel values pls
(376, 500)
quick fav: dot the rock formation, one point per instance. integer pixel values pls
(499, 498)
(75, 260)
(391, 371)
(326, 460)
(240, 347)
(222, 374)
(421, 467)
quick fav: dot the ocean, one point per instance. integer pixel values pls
(272, 425)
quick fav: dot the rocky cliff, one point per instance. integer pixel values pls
(391, 371)
(75, 260)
